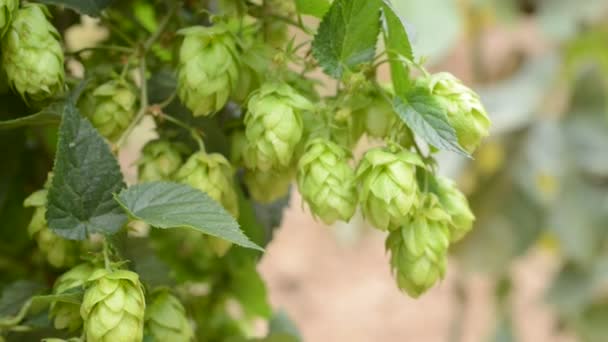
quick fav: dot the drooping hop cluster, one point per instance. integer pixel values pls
(7, 11)
(66, 315)
(419, 247)
(57, 251)
(208, 68)
(159, 161)
(327, 182)
(166, 319)
(110, 107)
(388, 190)
(31, 54)
(463, 107)
(113, 307)
(273, 126)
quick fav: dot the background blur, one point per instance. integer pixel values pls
(535, 268)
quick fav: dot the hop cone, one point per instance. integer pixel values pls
(166, 319)
(160, 160)
(463, 106)
(388, 189)
(419, 248)
(110, 107)
(212, 174)
(67, 315)
(269, 186)
(31, 54)
(347, 127)
(208, 69)
(327, 182)
(7, 11)
(273, 126)
(379, 117)
(58, 252)
(456, 205)
(113, 307)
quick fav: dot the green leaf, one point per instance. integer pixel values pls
(48, 116)
(282, 324)
(16, 295)
(249, 289)
(86, 174)
(315, 8)
(423, 114)
(88, 7)
(398, 46)
(347, 35)
(173, 205)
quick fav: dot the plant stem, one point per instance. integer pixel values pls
(193, 132)
(106, 254)
(103, 47)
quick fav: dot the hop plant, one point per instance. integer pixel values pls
(57, 251)
(419, 248)
(388, 189)
(110, 107)
(456, 205)
(31, 54)
(273, 126)
(269, 186)
(67, 315)
(113, 307)
(326, 181)
(212, 174)
(166, 319)
(208, 68)
(7, 11)
(160, 160)
(463, 106)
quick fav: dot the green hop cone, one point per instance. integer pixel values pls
(269, 186)
(67, 315)
(166, 319)
(31, 54)
(379, 117)
(388, 189)
(326, 181)
(208, 68)
(113, 307)
(57, 251)
(212, 174)
(456, 205)
(273, 126)
(7, 11)
(159, 161)
(347, 127)
(419, 248)
(463, 106)
(110, 107)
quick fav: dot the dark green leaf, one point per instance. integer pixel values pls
(249, 289)
(151, 269)
(16, 295)
(86, 174)
(347, 35)
(315, 8)
(47, 116)
(398, 46)
(426, 118)
(173, 205)
(88, 7)
(282, 324)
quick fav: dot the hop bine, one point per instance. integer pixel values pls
(113, 307)
(31, 54)
(208, 68)
(327, 182)
(67, 315)
(273, 126)
(388, 189)
(110, 107)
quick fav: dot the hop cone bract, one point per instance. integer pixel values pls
(113, 307)
(269, 186)
(166, 319)
(388, 188)
(327, 182)
(7, 11)
(208, 68)
(212, 174)
(31, 54)
(273, 126)
(463, 106)
(67, 315)
(456, 205)
(110, 107)
(419, 248)
(160, 160)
